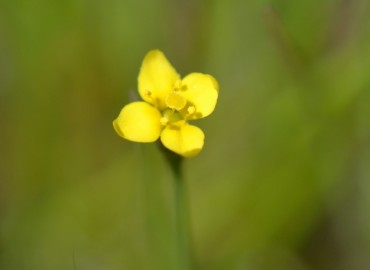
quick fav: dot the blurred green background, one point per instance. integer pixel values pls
(282, 183)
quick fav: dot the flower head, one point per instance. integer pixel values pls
(169, 104)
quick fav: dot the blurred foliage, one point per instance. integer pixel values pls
(283, 181)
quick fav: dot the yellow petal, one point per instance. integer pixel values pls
(185, 140)
(201, 91)
(157, 78)
(138, 122)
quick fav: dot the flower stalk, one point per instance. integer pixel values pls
(182, 222)
(168, 104)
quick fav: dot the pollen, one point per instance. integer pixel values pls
(175, 101)
(191, 110)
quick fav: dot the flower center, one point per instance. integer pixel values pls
(175, 101)
(170, 116)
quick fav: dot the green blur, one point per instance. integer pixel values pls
(282, 183)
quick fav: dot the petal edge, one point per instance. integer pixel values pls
(157, 78)
(138, 122)
(185, 140)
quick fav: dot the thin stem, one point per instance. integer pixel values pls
(182, 236)
(181, 214)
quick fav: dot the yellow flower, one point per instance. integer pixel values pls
(169, 103)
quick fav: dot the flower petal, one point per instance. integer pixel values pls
(138, 122)
(157, 78)
(201, 90)
(185, 140)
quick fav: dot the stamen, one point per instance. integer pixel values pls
(164, 120)
(148, 94)
(191, 110)
(178, 85)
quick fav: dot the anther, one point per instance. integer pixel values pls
(191, 109)
(178, 85)
(164, 120)
(148, 94)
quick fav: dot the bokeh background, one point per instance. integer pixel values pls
(282, 183)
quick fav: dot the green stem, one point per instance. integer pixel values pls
(182, 236)
(181, 214)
